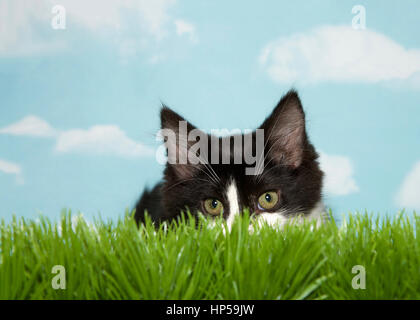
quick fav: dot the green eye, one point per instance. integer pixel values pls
(268, 200)
(213, 207)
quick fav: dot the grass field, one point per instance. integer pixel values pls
(116, 260)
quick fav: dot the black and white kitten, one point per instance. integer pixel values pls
(288, 185)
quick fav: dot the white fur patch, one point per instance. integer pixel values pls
(233, 200)
(278, 219)
(318, 213)
(274, 219)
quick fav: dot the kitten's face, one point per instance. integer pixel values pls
(288, 181)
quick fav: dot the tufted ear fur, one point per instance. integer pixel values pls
(285, 133)
(176, 131)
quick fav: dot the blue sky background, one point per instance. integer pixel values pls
(113, 64)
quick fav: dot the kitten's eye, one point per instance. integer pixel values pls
(213, 206)
(268, 200)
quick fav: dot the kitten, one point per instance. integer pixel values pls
(287, 184)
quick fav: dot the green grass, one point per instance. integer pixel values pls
(116, 260)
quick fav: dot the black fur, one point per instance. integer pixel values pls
(291, 169)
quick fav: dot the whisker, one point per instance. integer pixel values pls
(209, 167)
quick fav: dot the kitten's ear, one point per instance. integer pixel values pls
(284, 131)
(175, 130)
(169, 119)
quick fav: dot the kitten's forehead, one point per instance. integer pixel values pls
(238, 145)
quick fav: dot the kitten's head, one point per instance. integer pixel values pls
(285, 181)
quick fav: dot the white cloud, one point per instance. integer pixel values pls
(9, 167)
(339, 53)
(19, 34)
(185, 28)
(30, 126)
(152, 16)
(339, 179)
(101, 139)
(25, 26)
(408, 195)
(13, 169)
